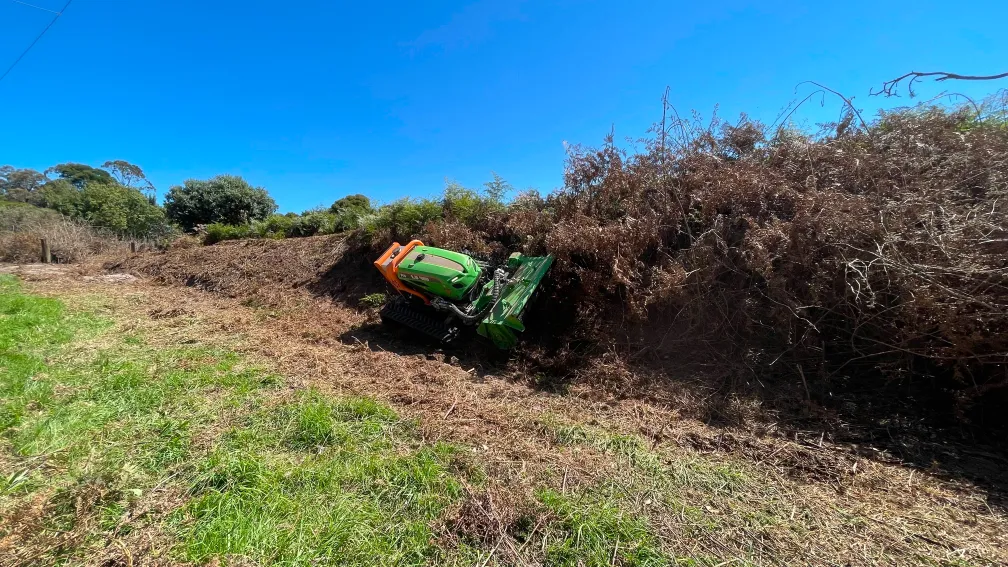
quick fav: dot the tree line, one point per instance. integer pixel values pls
(117, 197)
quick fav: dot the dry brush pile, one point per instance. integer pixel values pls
(850, 258)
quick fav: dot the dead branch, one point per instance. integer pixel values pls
(847, 101)
(890, 88)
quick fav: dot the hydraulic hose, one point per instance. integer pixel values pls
(500, 280)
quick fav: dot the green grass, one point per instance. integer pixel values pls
(94, 422)
(593, 531)
(649, 483)
(319, 480)
(672, 473)
(102, 428)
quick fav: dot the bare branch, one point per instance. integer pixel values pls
(848, 101)
(890, 88)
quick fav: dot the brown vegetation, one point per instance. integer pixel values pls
(839, 261)
(857, 277)
(22, 227)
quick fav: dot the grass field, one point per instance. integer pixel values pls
(101, 432)
(189, 454)
(148, 425)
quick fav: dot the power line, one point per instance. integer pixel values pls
(34, 6)
(25, 52)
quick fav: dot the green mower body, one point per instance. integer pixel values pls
(439, 272)
(442, 291)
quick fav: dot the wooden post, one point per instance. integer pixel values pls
(133, 247)
(46, 254)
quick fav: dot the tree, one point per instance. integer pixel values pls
(20, 184)
(79, 174)
(120, 209)
(355, 202)
(129, 175)
(61, 196)
(349, 210)
(226, 199)
(109, 206)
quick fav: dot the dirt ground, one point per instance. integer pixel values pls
(828, 503)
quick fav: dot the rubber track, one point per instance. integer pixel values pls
(401, 312)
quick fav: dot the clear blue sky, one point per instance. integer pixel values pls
(315, 100)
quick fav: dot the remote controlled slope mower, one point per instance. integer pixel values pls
(441, 292)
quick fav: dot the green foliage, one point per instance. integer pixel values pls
(461, 204)
(79, 175)
(374, 299)
(20, 185)
(358, 201)
(217, 232)
(473, 207)
(128, 174)
(113, 207)
(496, 190)
(350, 219)
(349, 212)
(61, 196)
(312, 223)
(276, 226)
(404, 218)
(592, 532)
(223, 199)
(122, 210)
(15, 215)
(290, 225)
(90, 195)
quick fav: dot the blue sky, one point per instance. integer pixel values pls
(316, 100)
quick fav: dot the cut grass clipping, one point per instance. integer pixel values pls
(113, 450)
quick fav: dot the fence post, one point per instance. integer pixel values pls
(133, 247)
(46, 254)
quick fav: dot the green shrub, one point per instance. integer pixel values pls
(108, 206)
(357, 202)
(350, 219)
(225, 199)
(217, 232)
(276, 226)
(290, 225)
(122, 210)
(404, 218)
(350, 211)
(461, 204)
(473, 207)
(311, 223)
